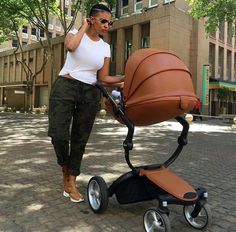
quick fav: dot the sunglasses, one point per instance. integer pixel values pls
(104, 21)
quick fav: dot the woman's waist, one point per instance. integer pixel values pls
(68, 76)
(76, 80)
(86, 79)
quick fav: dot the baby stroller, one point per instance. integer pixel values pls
(157, 87)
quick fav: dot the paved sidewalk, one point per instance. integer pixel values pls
(31, 184)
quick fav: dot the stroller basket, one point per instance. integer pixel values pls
(158, 87)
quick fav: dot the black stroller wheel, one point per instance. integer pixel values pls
(202, 220)
(97, 193)
(155, 221)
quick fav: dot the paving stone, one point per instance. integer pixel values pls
(31, 181)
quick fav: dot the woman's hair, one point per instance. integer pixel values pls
(98, 8)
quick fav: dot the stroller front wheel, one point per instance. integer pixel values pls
(156, 221)
(97, 193)
(202, 220)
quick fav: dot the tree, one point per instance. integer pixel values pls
(215, 12)
(16, 13)
(60, 12)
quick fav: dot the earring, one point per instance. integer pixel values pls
(91, 20)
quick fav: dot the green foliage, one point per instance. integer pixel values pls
(15, 13)
(223, 93)
(9, 21)
(215, 12)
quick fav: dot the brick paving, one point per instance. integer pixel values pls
(31, 184)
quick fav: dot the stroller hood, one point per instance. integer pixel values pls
(158, 87)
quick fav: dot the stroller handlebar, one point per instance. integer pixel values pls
(128, 142)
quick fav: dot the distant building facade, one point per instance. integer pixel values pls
(166, 24)
(29, 34)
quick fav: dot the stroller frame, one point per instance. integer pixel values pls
(151, 182)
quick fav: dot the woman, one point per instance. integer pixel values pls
(74, 99)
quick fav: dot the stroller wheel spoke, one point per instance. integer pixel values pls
(98, 201)
(202, 220)
(150, 228)
(154, 215)
(92, 193)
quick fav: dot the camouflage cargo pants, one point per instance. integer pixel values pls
(72, 110)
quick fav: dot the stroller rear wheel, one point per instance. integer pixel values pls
(202, 220)
(156, 221)
(97, 193)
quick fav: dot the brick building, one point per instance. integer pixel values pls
(166, 24)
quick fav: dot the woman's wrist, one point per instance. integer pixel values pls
(83, 28)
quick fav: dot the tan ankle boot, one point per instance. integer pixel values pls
(74, 195)
(65, 172)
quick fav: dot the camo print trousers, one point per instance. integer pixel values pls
(72, 110)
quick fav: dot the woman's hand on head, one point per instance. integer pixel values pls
(86, 23)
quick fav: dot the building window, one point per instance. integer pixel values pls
(138, 6)
(229, 33)
(33, 31)
(128, 42)
(72, 13)
(66, 11)
(212, 60)
(58, 25)
(125, 7)
(222, 31)
(41, 33)
(113, 46)
(15, 43)
(220, 63)
(128, 46)
(113, 52)
(25, 29)
(153, 3)
(168, 1)
(50, 22)
(145, 35)
(228, 70)
(50, 34)
(41, 96)
(145, 42)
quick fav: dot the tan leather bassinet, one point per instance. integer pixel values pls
(158, 87)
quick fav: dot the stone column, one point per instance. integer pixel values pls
(120, 62)
(136, 37)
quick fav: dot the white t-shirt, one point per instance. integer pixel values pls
(86, 60)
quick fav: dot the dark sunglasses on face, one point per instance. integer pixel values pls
(104, 21)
